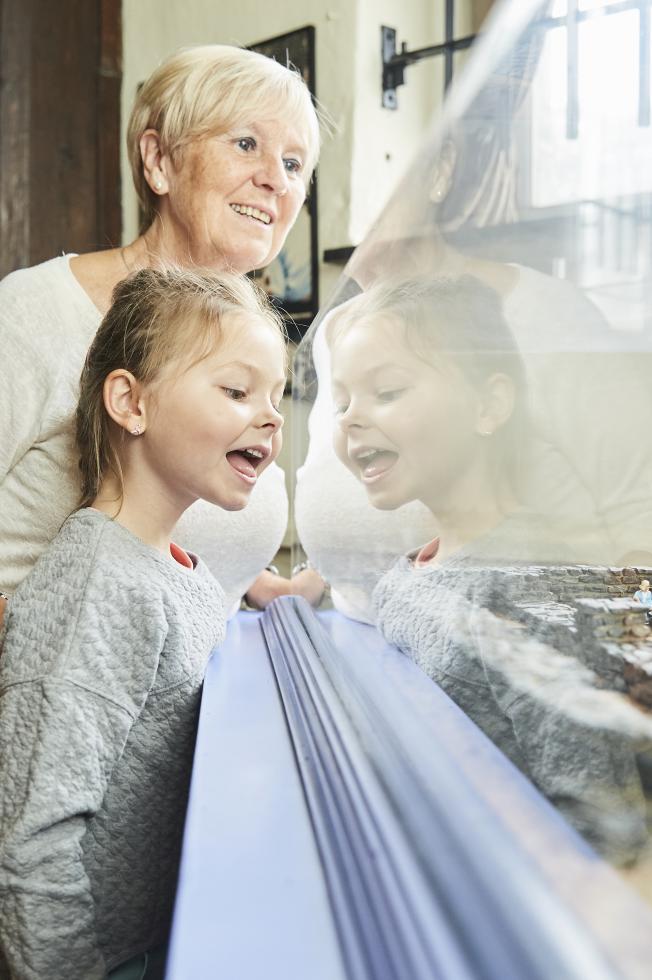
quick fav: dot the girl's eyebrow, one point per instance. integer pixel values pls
(238, 364)
(250, 370)
(369, 374)
(386, 366)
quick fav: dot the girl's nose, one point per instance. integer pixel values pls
(352, 418)
(273, 419)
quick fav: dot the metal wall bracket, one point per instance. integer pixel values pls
(393, 76)
(395, 62)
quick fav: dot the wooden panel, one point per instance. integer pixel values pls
(14, 134)
(109, 188)
(59, 128)
(65, 46)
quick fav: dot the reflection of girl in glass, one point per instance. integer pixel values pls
(429, 396)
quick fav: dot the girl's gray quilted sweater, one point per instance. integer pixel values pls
(105, 647)
(537, 705)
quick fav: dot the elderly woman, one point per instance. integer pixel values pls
(222, 144)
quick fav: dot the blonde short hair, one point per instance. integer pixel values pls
(202, 91)
(155, 318)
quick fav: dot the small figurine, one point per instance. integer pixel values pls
(644, 596)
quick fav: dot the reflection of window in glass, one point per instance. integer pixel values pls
(596, 4)
(590, 106)
(459, 20)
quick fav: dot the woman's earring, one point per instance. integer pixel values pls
(137, 430)
(158, 184)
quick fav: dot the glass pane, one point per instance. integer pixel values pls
(459, 60)
(465, 18)
(437, 33)
(607, 108)
(596, 4)
(477, 481)
(469, 16)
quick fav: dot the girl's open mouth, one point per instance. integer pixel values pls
(246, 462)
(374, 463)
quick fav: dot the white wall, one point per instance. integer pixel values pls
(384, 140)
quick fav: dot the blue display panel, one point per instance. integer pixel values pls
(348, 820)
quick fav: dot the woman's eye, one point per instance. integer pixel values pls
(292, 166)
(340, 409)
(390, 394)
(247, 143)
(235, 393)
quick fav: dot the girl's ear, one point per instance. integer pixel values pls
(496, 404)
(155, 163)
(124, 402)
(441, 178)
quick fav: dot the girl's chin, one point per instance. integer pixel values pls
(232, 502)
(385, 499)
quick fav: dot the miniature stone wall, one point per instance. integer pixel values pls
(621, 619)
(583, 611)
(567, 583)
(603, 626)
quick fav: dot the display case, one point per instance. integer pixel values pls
(471, 724)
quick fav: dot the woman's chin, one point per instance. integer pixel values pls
(252, 256)
(249, 258)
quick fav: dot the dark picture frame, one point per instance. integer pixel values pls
(292, 279)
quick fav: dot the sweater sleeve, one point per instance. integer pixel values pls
(588, 773)
(58, 745)
(80, 657)
(26, 381)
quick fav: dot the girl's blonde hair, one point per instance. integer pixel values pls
(155, 317)
(203, 91)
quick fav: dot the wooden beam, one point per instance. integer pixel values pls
(15, 51)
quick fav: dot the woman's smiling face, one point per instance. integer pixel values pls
(232, 199)
(406, 428)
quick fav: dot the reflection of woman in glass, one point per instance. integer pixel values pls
(430, 406)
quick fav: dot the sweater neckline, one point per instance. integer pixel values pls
(167, 561)
(77, 286)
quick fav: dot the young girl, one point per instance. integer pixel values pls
(431, 405)
(107, 639)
